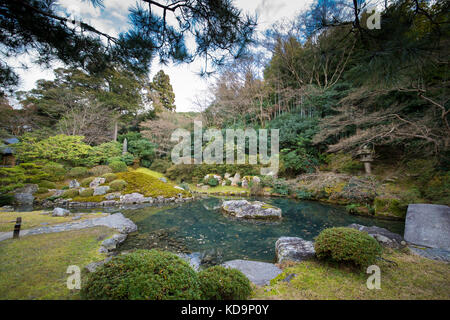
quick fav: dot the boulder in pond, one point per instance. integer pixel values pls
(260, 273)
(294, 249)
(428, 225)
(132, 198)
(382, 235)
(251, 210)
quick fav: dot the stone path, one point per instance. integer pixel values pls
(116, 221)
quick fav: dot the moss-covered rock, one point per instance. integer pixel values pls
(390, 208)
(88, 192)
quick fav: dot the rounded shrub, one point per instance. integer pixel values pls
(88, 192)
(143, 275)
(347, 245)
(117, 185)
(86, 181)
(118, 166)
(70, 193)
(99, 170)
(220, 283)
(47, 184)
(160, 165)
(109, 177)
(77, 172)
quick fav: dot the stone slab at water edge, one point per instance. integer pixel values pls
(251, 210)
(260, 273)
(428, 225)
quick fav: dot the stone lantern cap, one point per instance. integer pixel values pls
(365, 154)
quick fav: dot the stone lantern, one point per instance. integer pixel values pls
(366, 156)
(124, 146)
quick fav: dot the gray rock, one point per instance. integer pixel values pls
(260, 273)
(57, 192)
(23, 198)
(256, 180)
(244, 183)
(73, 184)
(382, 235)
(294, 249)
(431, 253)
(111, 243)
(236, 179)
(6, 209)
(99, 191)
(96, 182)
(428, 225)
(113, 195)
(91, 267)
(29, 188)
(251, 210)
(116, 221)
(163, 179)
(194, 259)
(60, 212)
(132, 198)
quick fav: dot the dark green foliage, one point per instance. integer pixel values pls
(303, 194)
(118, 185)
(163, 91)
(6, 199)
(77, 172)
(41, 190)
(280, 186)
(347, 245)
(219, 283)
(118, 166)
(15, 177)
(343, 163)
(139, 147)
(143, 275)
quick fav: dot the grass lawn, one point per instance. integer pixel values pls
(414, 277)
(219, 189)
(33, 219)
(34, 267)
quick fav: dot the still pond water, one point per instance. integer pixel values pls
(200, 226)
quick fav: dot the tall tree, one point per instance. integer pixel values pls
(162, 92)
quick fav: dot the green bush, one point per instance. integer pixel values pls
(41, 190)
(347, 245)
(109, 177)
(99, 170)
(70, 193)
(6, 199)
(228, 182)
(118, 166)
(280, 186)
(118, 185)
(47, 184)
(77, 172)
(219, 283)
(56, 171)
(185, 186)
(86, 181)
(143, 275)
(88, 192)
(213, 182)
(160, 165)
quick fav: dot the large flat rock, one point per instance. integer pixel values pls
(428, 225)
(260, 273)
(294, 249)
(251, 210)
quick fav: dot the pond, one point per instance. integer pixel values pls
(200, 227)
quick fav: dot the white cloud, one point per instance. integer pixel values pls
(186, 83)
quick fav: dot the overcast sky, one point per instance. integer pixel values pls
(186, 83)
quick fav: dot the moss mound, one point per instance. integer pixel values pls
(219, 283)
(148, 186)
(347, 245)
(143, 275)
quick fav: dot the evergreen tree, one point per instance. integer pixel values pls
(163, 95)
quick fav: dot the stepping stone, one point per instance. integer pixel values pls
(260, 273)
(428, 225)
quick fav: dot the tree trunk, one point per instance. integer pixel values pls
(115, 130)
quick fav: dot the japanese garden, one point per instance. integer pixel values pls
(310, 156)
